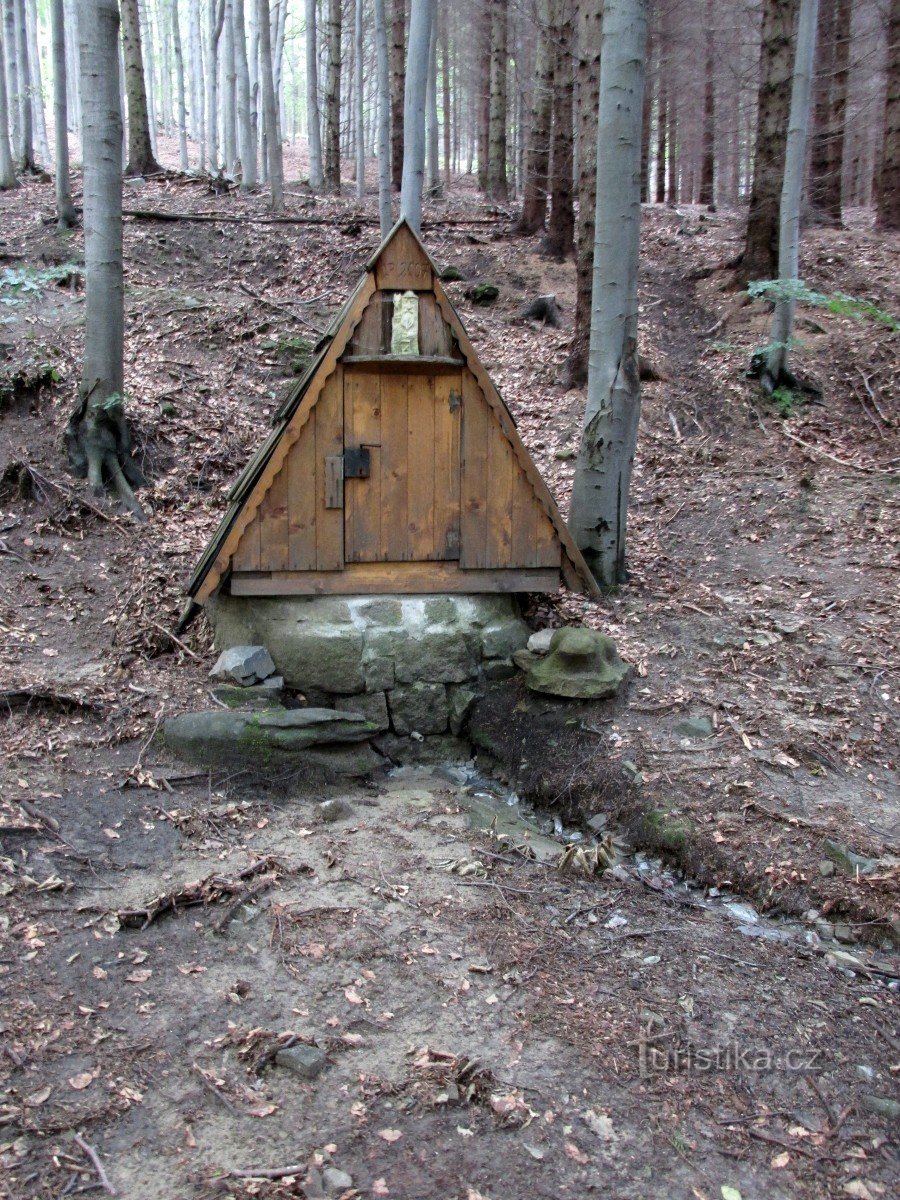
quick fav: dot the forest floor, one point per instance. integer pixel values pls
(486, 1035)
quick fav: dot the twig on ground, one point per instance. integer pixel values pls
(95, 1163)
(270, 1172)
(841, 462)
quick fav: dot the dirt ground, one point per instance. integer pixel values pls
(500, 1030)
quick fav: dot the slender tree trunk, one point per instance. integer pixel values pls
(183, 160)
(333, 100)
(7, 170)
(433, 170)
(497, 186)
(483, 98)
(13, 89)
(588, 35)
(360, 102)
(66, 217)
(73, 74)
(606, 454)
(198, 81)
(760, 258)
(708, 163)
(662, 128)
(791, 193)
(646, 123)
(229, 99)
(420, 22)
(216, 18)
(313, 120)
(398, 58)
(270, 109)
(382, 65)
(246, 139)
(97, 436)
(444, 19)
(148, 58)
(560, 238)
(830, 88)
(888, 214)
(141, 159)
(38, 116)
(26, 128)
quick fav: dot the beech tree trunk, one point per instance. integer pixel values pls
(215, 19)
(420, 23)
(7, 170)
(246, 136)
(662, 129)
(398, 61)
(888, 215)
(66, 217)
(776, 370)
(433, 170)
(560, 238)
(313, 120)
(13, 90)
(606, 454)
(382, 66)
(270, 110)
(497, 186)
(141, 159)
(97, 436)
(360, 130)
(333, 100)
(198, 81)
(38, 116)
(588, 41)
(26, 126)
(760, 257)
(180, 102)
(229, 97)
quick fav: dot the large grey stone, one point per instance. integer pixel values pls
(261, 695)
(503, 639)
(539, 642)
(371, 706)
(243, 665)
(435, 654)
(581, 664)
(419, 708)
(218, 735)
(460, 702)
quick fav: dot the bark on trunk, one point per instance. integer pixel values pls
(560, 238)
(497, 187)
(215, 20)
(606, 454)
(313, 121)
(180, 102)
(141, 159)
(333, 101)
(360, 102)
(776, 370)
(420, 24)
(398, 60)
(433, 170)
(760, 258)
(198, 82)
(26, 125)
(229, 99)
(38, 116)
(382, 65)
(246, 136)
(588, 34)
(13, 89)
(7, 170)
(270, 110)
(662, 131)
(708, 165)
(483, 97)
(97, 436)
(66, 217)
(888, 216)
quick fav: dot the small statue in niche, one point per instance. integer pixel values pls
(405, 328)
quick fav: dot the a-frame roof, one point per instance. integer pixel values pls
(249, 489)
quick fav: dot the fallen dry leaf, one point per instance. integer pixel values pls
(39, 1097)
(572, 1151)
(139, 976)
(390, 1135)
(80, 1082)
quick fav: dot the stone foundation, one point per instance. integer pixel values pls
(412, 662)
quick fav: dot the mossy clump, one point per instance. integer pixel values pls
(484, 294)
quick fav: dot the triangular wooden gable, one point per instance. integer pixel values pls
(285, 528)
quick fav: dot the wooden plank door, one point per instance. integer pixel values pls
(407, 508)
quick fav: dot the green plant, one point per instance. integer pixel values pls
(20, 283)
(786, 401)
(840, 304)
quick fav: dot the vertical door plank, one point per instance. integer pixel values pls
(447, 412)
(329, 442)
(473, 533)
(421, 448)
(273, 525)
(301, 469)
(524, 520)
(434, 333)
(362, 497)
(500, 498)
(367, 338)
(394, 545)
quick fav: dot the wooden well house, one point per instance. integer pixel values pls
(393, 465)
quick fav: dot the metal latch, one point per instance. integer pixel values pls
(357, 462)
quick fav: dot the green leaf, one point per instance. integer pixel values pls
(730, 1193)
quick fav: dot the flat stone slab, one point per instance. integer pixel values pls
(213, 736)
